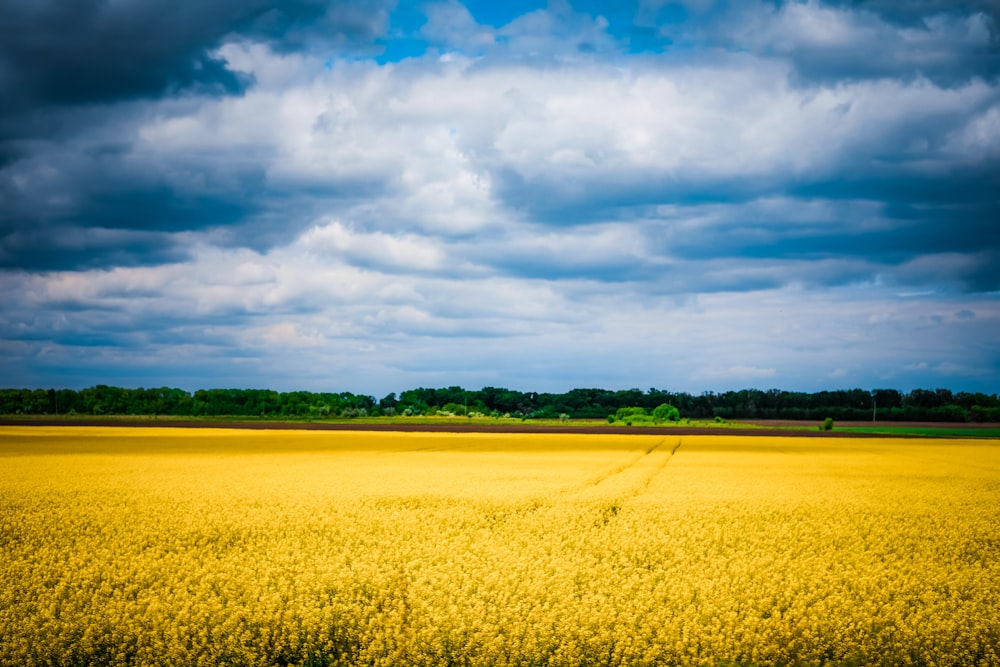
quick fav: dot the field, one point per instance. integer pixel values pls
(162, 546)
(926, 431)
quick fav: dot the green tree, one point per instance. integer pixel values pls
(665, 412)
(455, 409)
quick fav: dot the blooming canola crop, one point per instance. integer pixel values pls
(230, 547)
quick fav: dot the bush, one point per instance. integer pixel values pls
(624, 413)
(827, 424)
(666, 413)
(611, 419)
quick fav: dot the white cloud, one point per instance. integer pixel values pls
(378, 249)
(432, 147)
(979, 139)
(825, 40)
(309, 314)
(450, 24)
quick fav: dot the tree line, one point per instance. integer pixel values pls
(846, 405)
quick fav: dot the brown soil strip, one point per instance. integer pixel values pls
(807, 429)
(880, 423)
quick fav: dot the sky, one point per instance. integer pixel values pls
(372, 196)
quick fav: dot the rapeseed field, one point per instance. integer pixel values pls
(225, 547)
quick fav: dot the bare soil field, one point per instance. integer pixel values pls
(769, 428)
(778, 423)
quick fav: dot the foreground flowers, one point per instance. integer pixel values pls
(163, 547)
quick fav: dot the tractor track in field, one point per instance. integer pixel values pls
(590, 490)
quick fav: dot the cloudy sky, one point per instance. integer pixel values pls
(372, 195)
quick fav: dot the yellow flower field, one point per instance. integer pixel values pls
(230, 547)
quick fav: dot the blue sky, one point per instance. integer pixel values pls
(372, 196)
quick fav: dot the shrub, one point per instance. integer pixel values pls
(624, 413)
(455, 409)
(611, 419)
(666, 413)
(827, 424)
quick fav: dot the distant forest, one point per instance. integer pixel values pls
(852, 404)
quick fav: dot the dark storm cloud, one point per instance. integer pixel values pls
(915, 12)
(947, 43)
(92, 200)
(77, 55)
(99, 50)
(67, 247)
(69, 174)
(952, 213)
(620, 193)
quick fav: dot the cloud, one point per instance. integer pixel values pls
(76, 248)
(840, 41)
(304, 311)
(377, 250)
(518, 152)
(450, 26)
(525, 194)
(902, 13)
(99, 51)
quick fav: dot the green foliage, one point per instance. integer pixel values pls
(624, 413)
(665, 412)
(638, 406)
(639, 415)
(454, 409)
(827, 424)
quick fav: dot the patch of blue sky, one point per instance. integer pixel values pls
(401, 48)
(498, 14)
(634, 30)
(403, 38)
